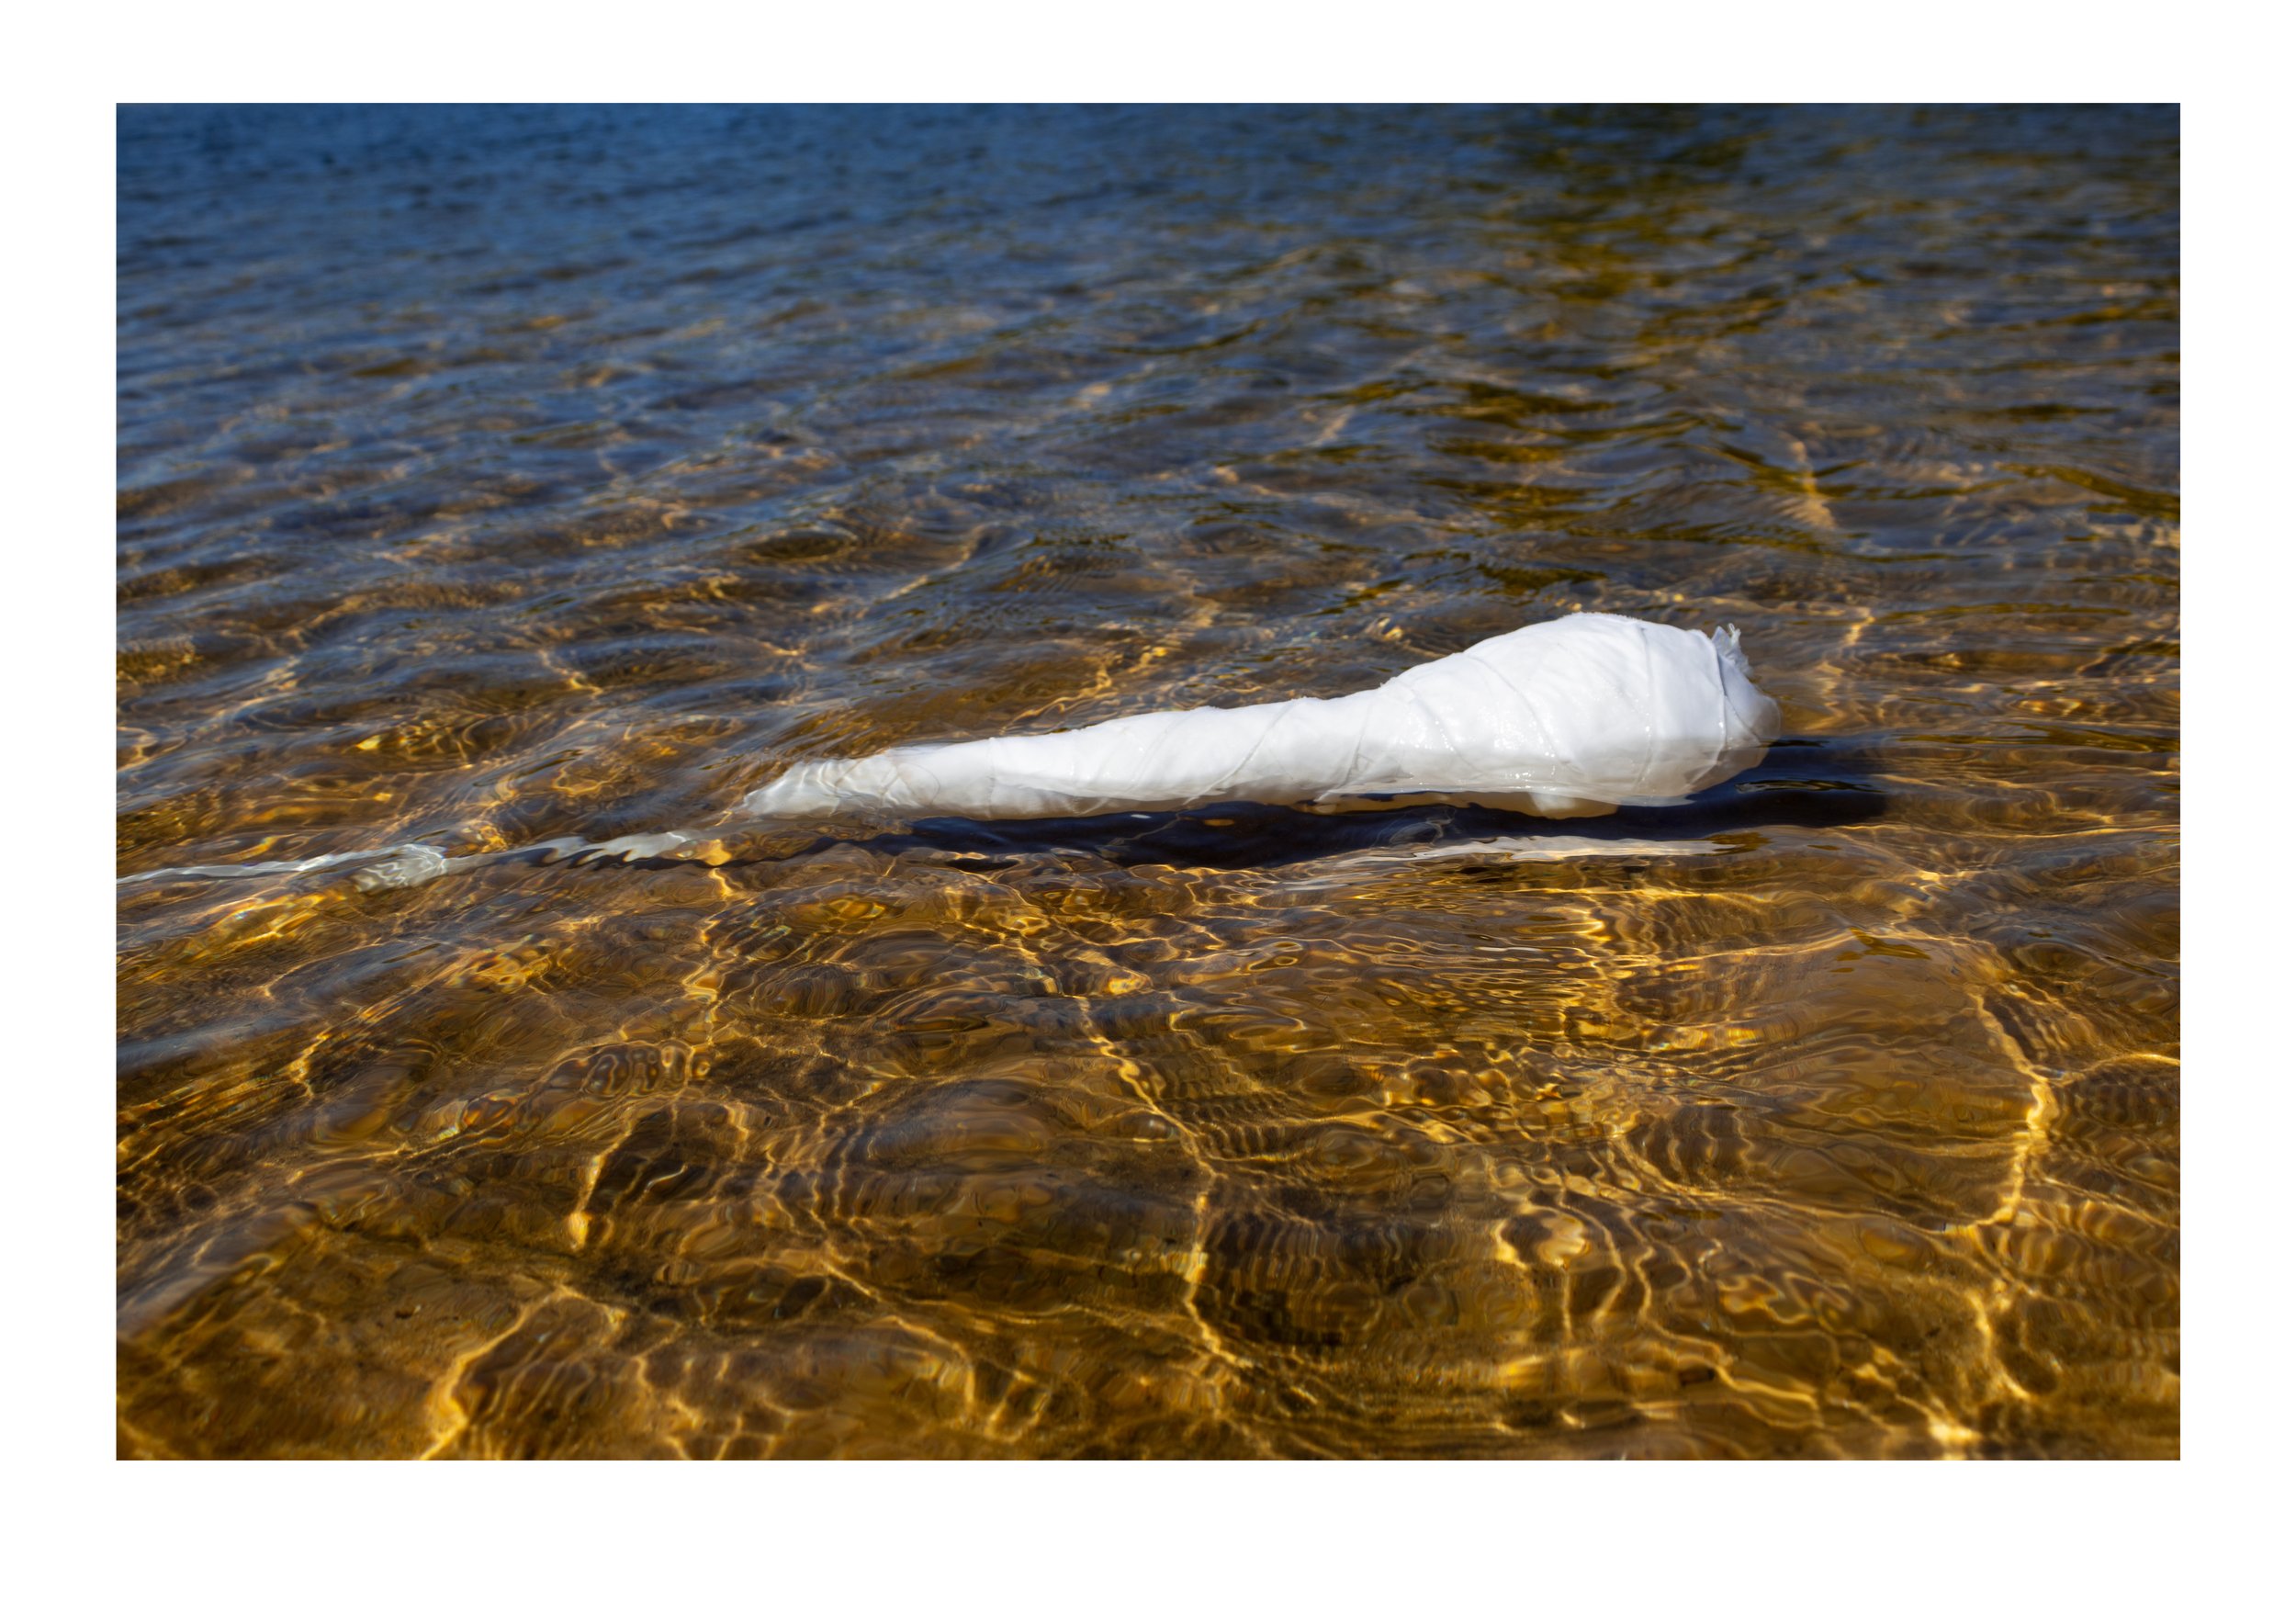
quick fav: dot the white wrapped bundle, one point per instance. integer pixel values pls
(1566, 720)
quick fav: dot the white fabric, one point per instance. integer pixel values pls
(1566, 718)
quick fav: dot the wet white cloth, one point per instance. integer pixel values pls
(1566, 718)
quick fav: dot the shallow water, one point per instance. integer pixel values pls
(490, 477)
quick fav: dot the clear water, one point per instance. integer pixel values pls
(494, 476)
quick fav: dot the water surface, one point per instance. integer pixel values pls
(490, 476)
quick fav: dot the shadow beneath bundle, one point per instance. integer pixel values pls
(1803, 784)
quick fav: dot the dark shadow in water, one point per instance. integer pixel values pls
(1804, 784)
